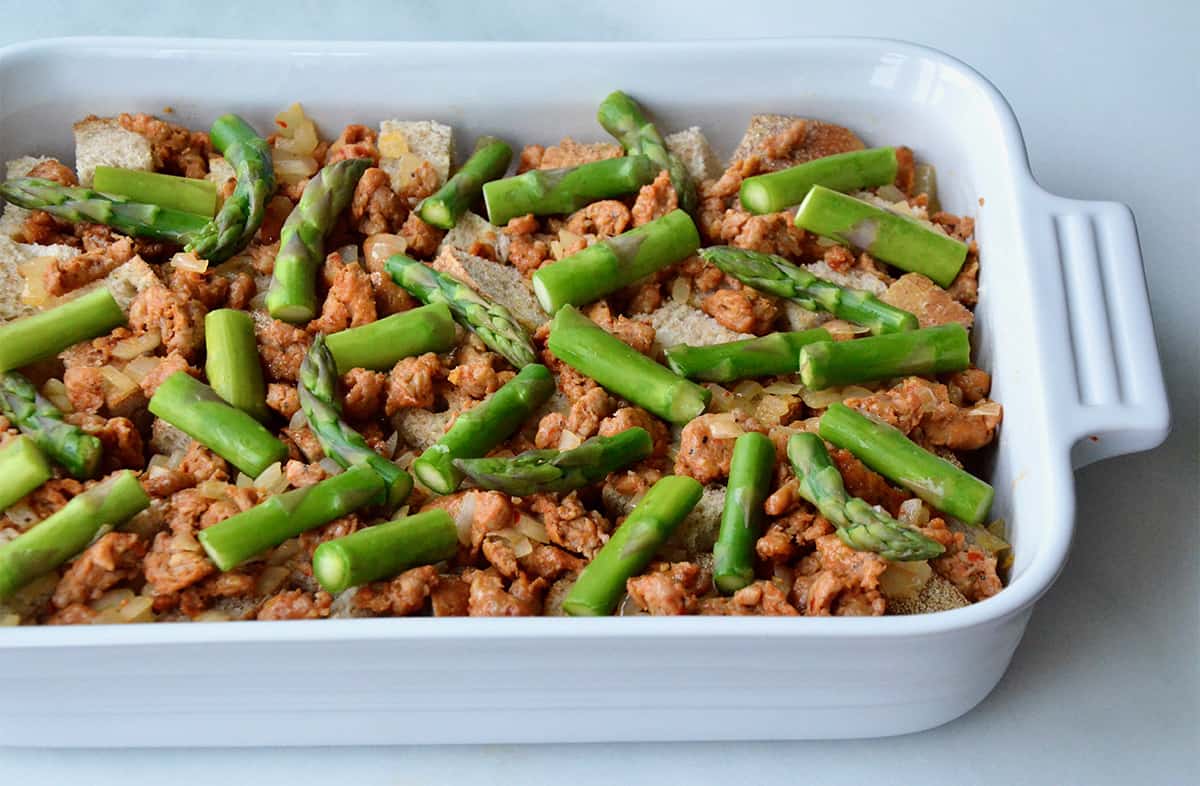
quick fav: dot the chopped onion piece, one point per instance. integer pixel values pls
(185, 260)
(681, 289)
(22, 514)
(771, 410)
(298, 420)
(378, 247)
(891, 193)
(820, 399)
(464, 517)
(293, 170)
(130, 348)
(914, 512)
(271, 479)
(389, 446)
(569, 440)
(532, 528)
(56, 391)
(841, 330)
(244, 481)
(986, 408)
(725, 426)
(118, 385)
(748, 389)
(904, 579)
(405, 459)
(284, 552)
(9, 620)
(330, 466)
(783, 388)
(628, 607)
(34, 273)
(722, 399)
(212, 615)
(271, 579)
(348, 253)
(217, 489)
(141, 367)
(139, 609)
(112, 599)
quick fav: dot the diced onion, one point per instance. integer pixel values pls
(464, 517)
(569, 440)
(725, 426)
(138, 609)
(820, 399)
(216, 489)
(34, 273)
(271, 579)
(405, 459)
(986, 409)
(118, 385)
(783, 388)
(22, 514)
(130, 348)
(378, 247)
(297, 133)
(285, 552)
(628, 607)
(904, 579)
(244, 481)
(841, 330)
(771, 410)
(141, 367)
(914, 513)
(722, 399)
(330, 466)
(293, 170)
(389, 445)
(891, 193)
(9, 620)
(112, 599)
(532, 528)
(185, 260)
(298, 420)
(748, 389)
(271, 479)
(212, 615)
(393, 144)
(56, 391)
(522, 547)
(681, 289)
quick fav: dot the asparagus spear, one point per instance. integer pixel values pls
(536, 471)
(378, 345)
(550, 191)
(859, 525)
(850, 171)
(195, 409)
(319, 401)
(600, 585)
(902, 241)
(483, 427)
(615, 263)
(777, 276)
(76, 204)
(68, 531)
(232, 364)
(932, 350)
(242, 213)
(293, 293)
(750, 474)
(385, 550)
(22, 469)
(46, 333)
(251, 532)
(893, 455)
(776, 353)
(623, 118)
(490, 321)
(189, 194)
(488, 162)
(587, 348)
(69, 445)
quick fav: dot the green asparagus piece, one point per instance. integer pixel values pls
(589, 349)
(69, 445)
(77, 204)
(483, 427)
(623, 118)
(293, 293)
(613, 264)
(925, 182)
(859, 525)
(232, 365)
(339, 440)
(750, 474)
(68, 531)
(893, 455)
(776, 353)
(242, 213)
(490, 321)
(189, 194)
(385, 550)
(22, 469)
(488, 162)
(195, 409)
(931, 350)
(776, 276)
(378, 345)
(850, 171)
(601, 584)
(902, 241)
(546, 192)
(247, 534)
(46, 333)
(536, 471)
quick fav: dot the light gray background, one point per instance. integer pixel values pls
(1104, 688)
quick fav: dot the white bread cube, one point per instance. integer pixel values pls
(471, 228)
(12, 283)
(101, 141)
(692, 148)
(677, 323)
(500, 283)
(14, 215)
(403, 144)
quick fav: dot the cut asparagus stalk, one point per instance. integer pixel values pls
(776, 353)
(859, 525)
(750, 474)
(776, 276)
(189, 194)
(590, 350)
(624, 119)
(242, 212)
(339, 440)
(242, 536)
(293, 293)
(609, 265)
(893, 455)
(488, 162)
(385, 550)
(75, 204)
(49, 332)
(483, 427)
(630, 549)
(195, 409)
(545, 192)
(22, 469)
(378, 345)
(69, 530)
(492, 322)
(231, 364)
(855, 170)
(537, 471)
(78, 451)
(928, 351)
(899, 240)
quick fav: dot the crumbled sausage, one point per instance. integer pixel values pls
(634, 332)
(970, 385)
(282, 348)
(586, 412)
(355, 141)
(422, 182)
(525, 251)
(119, 438)
(402, 596)
(284, 399)
(475, 375)
(236, 499)
(965, 286)
(706, 445)
(114, 558)
(631, 417)
(772, 233)
(209, 289)
(742, 310)
(176, 150)
(450, 597)
(350, 301)
(923, 410)
(410, 383)
(299, 474)
(670, 588)
(530, 158)
(64, 275)
(178, 319)
(53, 169)
(865, 484)
(306, 444)
(804, 140)
(490, 511)
(167, 366)
(242, 290)
(176, 559)
(839, 580)
(550, 430)
(364, 393)
(75, 614)
(295, 605)
(85, 388)
(488, 598)
(655, 200)
(550, 562)
(499, 552)
(423, 239)
(606, 218)
(967, 567)
(375, 207)
(569, 524)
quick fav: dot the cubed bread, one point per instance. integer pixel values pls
(819, 139)
(694, 536)
(404, 144)
(677, 323)
(14, 215)
(501, 283)
(938, 594)
(101, 141)
(420, 428)
(691, 147)
(220, 171)
(471, 228)
(13, 290)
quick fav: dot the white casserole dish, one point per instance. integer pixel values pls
(1063, 324)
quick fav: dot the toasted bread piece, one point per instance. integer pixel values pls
(569, 153)
(101, 141)
(691, 147)
(220, 171)
(12, 283)
(820, 139)
(938, 594)
(694, 536)
(495, 281)
(931, 304)
(14, 215)
(166, 439)
(677, 323)
(471, 228)
(128, 280)
(420, 428)
(404, 144)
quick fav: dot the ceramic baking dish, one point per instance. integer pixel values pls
(1063, 324)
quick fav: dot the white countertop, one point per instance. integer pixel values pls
(1105, 688)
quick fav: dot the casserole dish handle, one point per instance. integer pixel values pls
(1113, 398)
